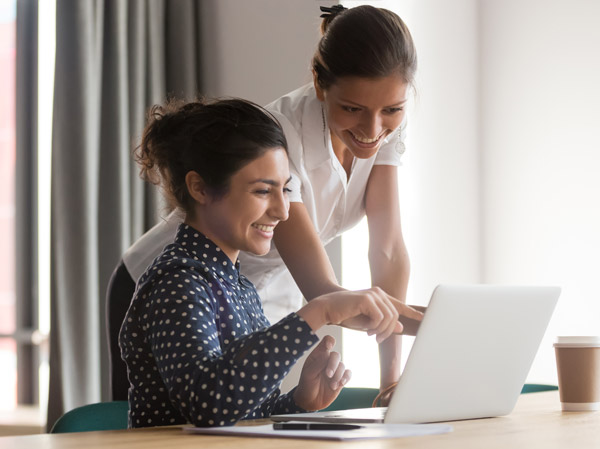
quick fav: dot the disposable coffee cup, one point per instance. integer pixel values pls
(578, 366)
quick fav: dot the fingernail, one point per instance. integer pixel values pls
(334, 385)
(329, 373)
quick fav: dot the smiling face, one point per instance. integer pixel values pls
(257, 199)
(361, 112)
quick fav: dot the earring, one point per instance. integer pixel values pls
(400, 147)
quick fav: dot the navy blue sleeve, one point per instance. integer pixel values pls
(211, 383)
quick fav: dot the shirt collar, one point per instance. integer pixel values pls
(315, 138)
(205, 251)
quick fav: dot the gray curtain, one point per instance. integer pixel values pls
(26, 198)
(114, 59)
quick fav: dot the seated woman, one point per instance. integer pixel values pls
(197, 345)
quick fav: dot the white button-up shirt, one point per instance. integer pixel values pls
(334, 202)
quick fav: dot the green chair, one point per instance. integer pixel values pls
(534, 388)
(354, 398)
(363, 397)
(99, 416)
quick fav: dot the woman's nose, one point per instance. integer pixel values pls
(371, 126)
(280, 207)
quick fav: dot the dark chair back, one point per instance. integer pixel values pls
(118, 296)
(363, 397)
(99, 416)
(535, 388)
(353, 398)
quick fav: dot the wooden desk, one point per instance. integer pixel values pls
(536, 422)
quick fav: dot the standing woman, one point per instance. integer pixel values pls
(345, 134)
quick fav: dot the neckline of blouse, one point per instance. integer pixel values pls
(208, 253)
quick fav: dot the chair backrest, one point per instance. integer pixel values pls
(534, 388)
(99, 416)
(363, 397)
(118, 297)
(353, 398)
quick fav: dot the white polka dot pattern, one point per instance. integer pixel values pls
(197, 345)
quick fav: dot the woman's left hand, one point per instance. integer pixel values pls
(322, 378)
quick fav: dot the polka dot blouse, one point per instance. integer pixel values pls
(198, 346)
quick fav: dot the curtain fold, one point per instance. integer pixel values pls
(26, 283)
(114, 60)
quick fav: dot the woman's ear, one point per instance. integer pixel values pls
(197, 187)
(318, 89)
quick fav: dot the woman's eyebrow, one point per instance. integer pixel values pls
(270, 182)
(400, 103)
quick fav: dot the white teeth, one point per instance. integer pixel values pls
(264, 228)
(364, 139)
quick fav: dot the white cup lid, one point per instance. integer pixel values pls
(577, 342)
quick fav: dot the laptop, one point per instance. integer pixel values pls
(470, 358)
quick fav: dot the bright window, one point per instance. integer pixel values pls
(8, 317)
(47, 52)
(363, 362)
(360, 352)
(8, 350)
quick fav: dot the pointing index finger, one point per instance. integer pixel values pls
(408, 311)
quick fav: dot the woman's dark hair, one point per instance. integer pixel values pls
(213, 138)
(363, 42)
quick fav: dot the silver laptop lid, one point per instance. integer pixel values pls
(469, 360)
(472, 353)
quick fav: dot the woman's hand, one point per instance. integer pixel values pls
(322, 378)
(411, 326)
(408, 317)
(371, 310)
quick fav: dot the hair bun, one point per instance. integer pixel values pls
(330, 13)
(364, 42)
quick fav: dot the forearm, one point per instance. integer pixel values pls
(389, 361)
(390, 271)
(310, 267)
(301, 249)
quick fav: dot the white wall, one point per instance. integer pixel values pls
(540, 66)
(440, 176)
(259, 49)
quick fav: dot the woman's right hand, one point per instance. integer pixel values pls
(371, 310)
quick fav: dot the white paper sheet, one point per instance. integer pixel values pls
(368, 431)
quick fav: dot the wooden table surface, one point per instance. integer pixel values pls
(536, 422)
